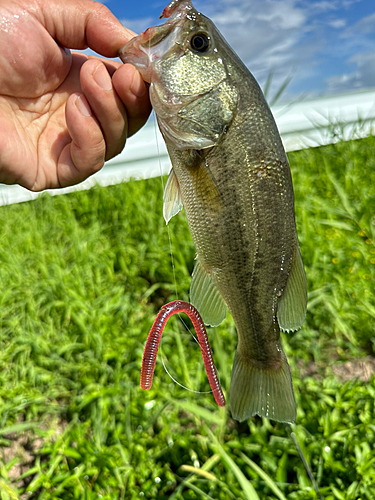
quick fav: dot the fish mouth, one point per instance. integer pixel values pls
(150, 45)
(146, 47)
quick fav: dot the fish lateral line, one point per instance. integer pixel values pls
(153, 342)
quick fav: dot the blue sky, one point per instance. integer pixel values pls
(328, 46)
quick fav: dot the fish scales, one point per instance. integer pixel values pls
(231, 174)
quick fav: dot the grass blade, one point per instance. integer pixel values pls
(245, 484)
(188, 484)
(199, 472)
(198, 411)
(21, 427)
(5, 488)
(266, 478)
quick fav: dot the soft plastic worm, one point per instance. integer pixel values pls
(153, 341)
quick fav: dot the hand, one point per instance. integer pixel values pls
(63, 114)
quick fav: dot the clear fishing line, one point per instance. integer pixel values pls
(162, 185)
(173, 270)
(169, 234)
(174, 279)
(173, 379)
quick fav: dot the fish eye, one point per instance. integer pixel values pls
(200, 42)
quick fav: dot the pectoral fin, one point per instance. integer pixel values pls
(203, 181)
(172, 201)
(291, 309)
(206, 298)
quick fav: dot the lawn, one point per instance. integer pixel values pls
(82, 278)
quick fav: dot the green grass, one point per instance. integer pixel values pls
(82, 277)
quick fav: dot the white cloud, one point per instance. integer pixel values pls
(269, 26)
(324, 6)
(269, 36)
(301, 37)
(363, 26)
(348, 3)
(279, 14)
(337, 23)
(362, 77)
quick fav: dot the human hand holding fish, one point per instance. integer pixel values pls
(231, 174)
(63, 114)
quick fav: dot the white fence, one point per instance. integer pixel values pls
(302, 124)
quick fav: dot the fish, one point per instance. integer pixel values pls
(231, 174)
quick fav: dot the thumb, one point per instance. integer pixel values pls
(78, 24)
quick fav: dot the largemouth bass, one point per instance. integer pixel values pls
(231, 174)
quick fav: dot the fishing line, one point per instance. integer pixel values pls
(175, 282)
(162, 185)
(169, 234)
(304, 461)
(172, 260)
(174, 276)
(176, 381)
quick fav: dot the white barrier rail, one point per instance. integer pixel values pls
(304, 124)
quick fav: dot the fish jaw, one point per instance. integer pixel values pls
(143, 50)
(132, 53)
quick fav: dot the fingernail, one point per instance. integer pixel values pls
(83, 106)
(102, 77)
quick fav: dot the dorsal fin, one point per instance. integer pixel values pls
(206, 297)
(292, 305)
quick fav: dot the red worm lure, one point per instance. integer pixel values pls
(153, 341)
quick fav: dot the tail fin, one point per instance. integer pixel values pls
(264, 392)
